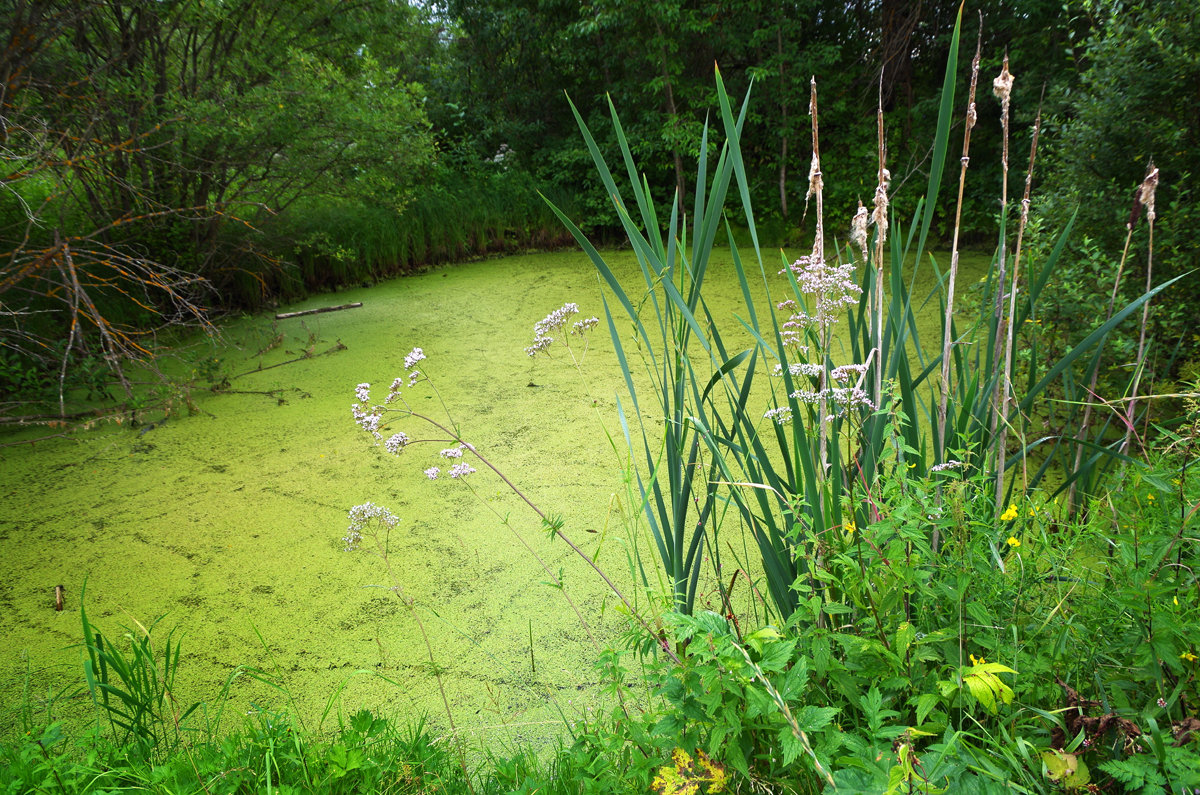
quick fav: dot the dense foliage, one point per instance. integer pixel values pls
(162, 158)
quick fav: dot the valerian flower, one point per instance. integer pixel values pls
(361, 517)
(461, 470)
(414, 356)
(780, 416)
(368, 419)
(583, 326)
(557, 321)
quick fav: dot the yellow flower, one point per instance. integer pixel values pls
(1149, 498)
(1187, 656)
(1010, 514)
(850, 528)
(976, 660)
(1013, 542)
(1175, 599)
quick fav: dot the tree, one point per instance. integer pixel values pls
(144, 137)
(1137, 102)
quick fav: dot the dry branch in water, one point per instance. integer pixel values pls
(318, 310)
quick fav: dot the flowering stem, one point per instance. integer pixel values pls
(410, 604)
(551, 524)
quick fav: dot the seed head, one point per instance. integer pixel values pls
(1002, 86)
(1149, 185)
(880, 214)
(858, 229)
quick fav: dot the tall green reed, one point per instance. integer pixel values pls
(675, 484)
(839, 427)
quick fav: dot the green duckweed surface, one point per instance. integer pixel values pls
(228, 522)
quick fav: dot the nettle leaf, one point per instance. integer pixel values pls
(758, 703)
(670, 725)
(776, 656)
(791, 745)
(710, 622)
(811, 719)
(760, 637)
(795, 680)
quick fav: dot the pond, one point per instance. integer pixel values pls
(228, 521)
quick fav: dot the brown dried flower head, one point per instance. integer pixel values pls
(1149, 185)
(1002, 85)
(858, 229)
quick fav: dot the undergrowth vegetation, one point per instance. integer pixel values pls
(943, 594)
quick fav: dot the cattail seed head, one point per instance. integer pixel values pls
(880, 215)
(1002, 85)
(858, 229)
(1149, 185)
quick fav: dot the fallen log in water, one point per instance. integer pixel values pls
(285, 315)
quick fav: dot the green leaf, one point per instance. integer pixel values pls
(811, 719)
(1066, 769)
(925, 704)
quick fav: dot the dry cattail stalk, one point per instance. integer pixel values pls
(1012, 298)
(962, 179)
(1085, 426)
(816, 188)
(1146, 196)
(880, 217)
(1002, 88)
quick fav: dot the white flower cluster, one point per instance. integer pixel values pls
(832, 287)
(556, 321)
(361, 516)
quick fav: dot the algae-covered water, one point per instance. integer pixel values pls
(228, 522)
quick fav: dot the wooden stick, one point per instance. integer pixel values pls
(285, 315)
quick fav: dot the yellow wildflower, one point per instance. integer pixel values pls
(976, 660)
(1175, 599)
(850, 527)
(1187, 656)
(1010, 514)
(1149, 498)
(1013, 542)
